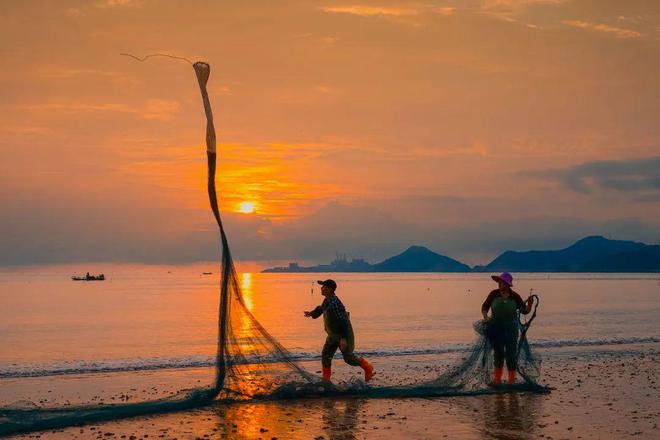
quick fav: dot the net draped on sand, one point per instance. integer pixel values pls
(251, 364)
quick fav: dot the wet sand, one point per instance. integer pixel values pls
(603, 392)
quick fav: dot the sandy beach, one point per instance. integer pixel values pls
(600, 392)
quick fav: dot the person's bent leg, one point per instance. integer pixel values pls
(329, 349)
(352, 359)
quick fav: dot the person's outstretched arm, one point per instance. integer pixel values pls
(315, 313)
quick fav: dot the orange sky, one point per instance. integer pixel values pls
(467, 126)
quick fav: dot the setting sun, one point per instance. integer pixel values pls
(246, 207)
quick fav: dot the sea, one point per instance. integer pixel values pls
(162, 318)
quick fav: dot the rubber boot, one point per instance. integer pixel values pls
(327, 372)
(368, 369)
(512, 376)
(497, 379)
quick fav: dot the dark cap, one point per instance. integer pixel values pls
(330, 283)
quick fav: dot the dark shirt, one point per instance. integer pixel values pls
(335, 315)
(520, 304)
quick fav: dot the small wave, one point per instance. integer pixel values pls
(188, 362)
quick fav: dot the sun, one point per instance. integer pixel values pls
(246, 207)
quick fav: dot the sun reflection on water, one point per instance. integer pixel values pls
(246, 290)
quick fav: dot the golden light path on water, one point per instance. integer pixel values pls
(246, 289)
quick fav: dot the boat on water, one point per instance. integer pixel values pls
(88, 277)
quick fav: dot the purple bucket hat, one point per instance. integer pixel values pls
(504, 277)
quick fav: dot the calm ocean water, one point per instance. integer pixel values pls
(163, 317)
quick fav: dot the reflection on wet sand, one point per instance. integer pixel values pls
(250, 421)
(503, 416)
(334, 419)
(340, 418)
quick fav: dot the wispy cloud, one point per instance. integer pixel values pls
(160, 109)
(153, 109)
(75, 107)
(275, 177)
(72, 72)
(618, 32)
(446, 11)
(638, 175)
(74, 12)
(513, 11)
(116, 3)
(78, 73)
(518, 4)
(372, 11)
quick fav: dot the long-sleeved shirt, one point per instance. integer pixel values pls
(334, 314)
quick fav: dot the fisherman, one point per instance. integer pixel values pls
(340, 332)
(502, 325)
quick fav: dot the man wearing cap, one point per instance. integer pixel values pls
(502, 327)
(340, 332)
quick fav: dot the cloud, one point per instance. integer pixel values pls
(329, 41)
(371, 11)
(518, 4)
(80, 107)
(63, 72)
(116, 3)
(605, 28)
(160, 109)
(74, 12)
(116, 222)
(369, 231)
(153, 109)
(446, 11)
(627, 176)
(359, 110)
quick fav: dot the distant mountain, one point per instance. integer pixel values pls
(646, 259)
(413, 259)
(420, 259)
(571, 259)
(590, 254)
(338, 265)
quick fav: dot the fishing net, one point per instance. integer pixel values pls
(252, 364)
(474, 371)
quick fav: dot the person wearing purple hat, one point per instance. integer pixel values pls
(502, 326)
(340, 332)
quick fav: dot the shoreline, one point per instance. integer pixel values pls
(597, 393)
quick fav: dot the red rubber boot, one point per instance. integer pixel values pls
(512, 376)
(327, 372)
(497, 379)
(368, 369)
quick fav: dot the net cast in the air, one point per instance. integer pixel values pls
(251, 364)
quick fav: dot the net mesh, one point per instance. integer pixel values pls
(251, 364)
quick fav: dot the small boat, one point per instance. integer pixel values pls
(207, 273)
(89, 277)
